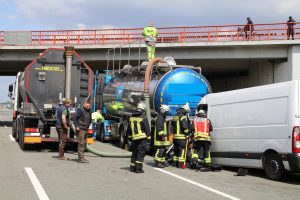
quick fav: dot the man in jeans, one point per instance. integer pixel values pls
(82, 121)
(62, 126)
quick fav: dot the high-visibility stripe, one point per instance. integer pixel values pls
(139, 134)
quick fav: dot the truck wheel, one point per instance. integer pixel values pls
(14, 127)
(21, 135)
(273, 166)
(122, 137)
(102, 133)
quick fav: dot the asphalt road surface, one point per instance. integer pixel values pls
(37, 174)
(5, 117)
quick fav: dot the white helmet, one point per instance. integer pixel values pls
(202, 112)
(186, 107)
(141, 106)
(164, 108)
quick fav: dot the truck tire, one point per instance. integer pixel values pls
(273, 166)
(15, 130)
(123, 138)
(102, 133)
(21, 134)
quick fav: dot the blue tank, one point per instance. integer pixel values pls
(178, 87)
(171, 86)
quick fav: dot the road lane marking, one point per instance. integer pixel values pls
(198, 184)
(36, 184)
(12, 138)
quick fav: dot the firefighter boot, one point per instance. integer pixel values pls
(180, 164)
(159, 165)
(139, 168)
(132, 168)
(166, 164)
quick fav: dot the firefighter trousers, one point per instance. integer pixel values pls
(138, 152)
(160, 154)
(201, 148)
(179, 151)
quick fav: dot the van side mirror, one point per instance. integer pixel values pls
(11, 88)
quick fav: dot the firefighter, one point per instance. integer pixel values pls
(161, 140)
(150, 34)
(62, 126)
(140, 136)
(181, 132)
(202, 141)
(82, 121)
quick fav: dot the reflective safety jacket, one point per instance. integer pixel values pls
(181, 127)
(202, 129)
(150, 33)
(139, 127)
(160, 132)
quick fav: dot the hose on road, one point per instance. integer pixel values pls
(107, 154)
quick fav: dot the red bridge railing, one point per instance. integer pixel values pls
(261, 32)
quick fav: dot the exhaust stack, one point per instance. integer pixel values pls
(69, 56)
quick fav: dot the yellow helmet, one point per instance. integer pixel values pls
(151, 24)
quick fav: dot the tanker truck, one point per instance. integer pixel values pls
(55, 74)
(118, 92)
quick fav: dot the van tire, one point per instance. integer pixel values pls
(273, 166)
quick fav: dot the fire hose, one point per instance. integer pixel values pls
(102, 153)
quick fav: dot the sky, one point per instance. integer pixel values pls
(90, 14)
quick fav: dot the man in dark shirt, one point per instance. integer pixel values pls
(290, 27)
(62, 126)
(82, 121)
(249, 28)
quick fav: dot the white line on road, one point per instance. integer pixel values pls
(12, 138)
(36, 184)
(198, 184)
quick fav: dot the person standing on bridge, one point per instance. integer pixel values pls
(150, 34)
(249, 28)
(62, 125)
(82, 121)
(290, 27)
(140, 136)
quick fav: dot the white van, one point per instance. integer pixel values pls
(256, 127)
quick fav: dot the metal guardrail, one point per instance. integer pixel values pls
(261, 32)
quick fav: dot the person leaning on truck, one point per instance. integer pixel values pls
(140, 135)
(201, 141)
(181, 132)
(161, 137)
(82, 121)
(150, 34)
(62, 126)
